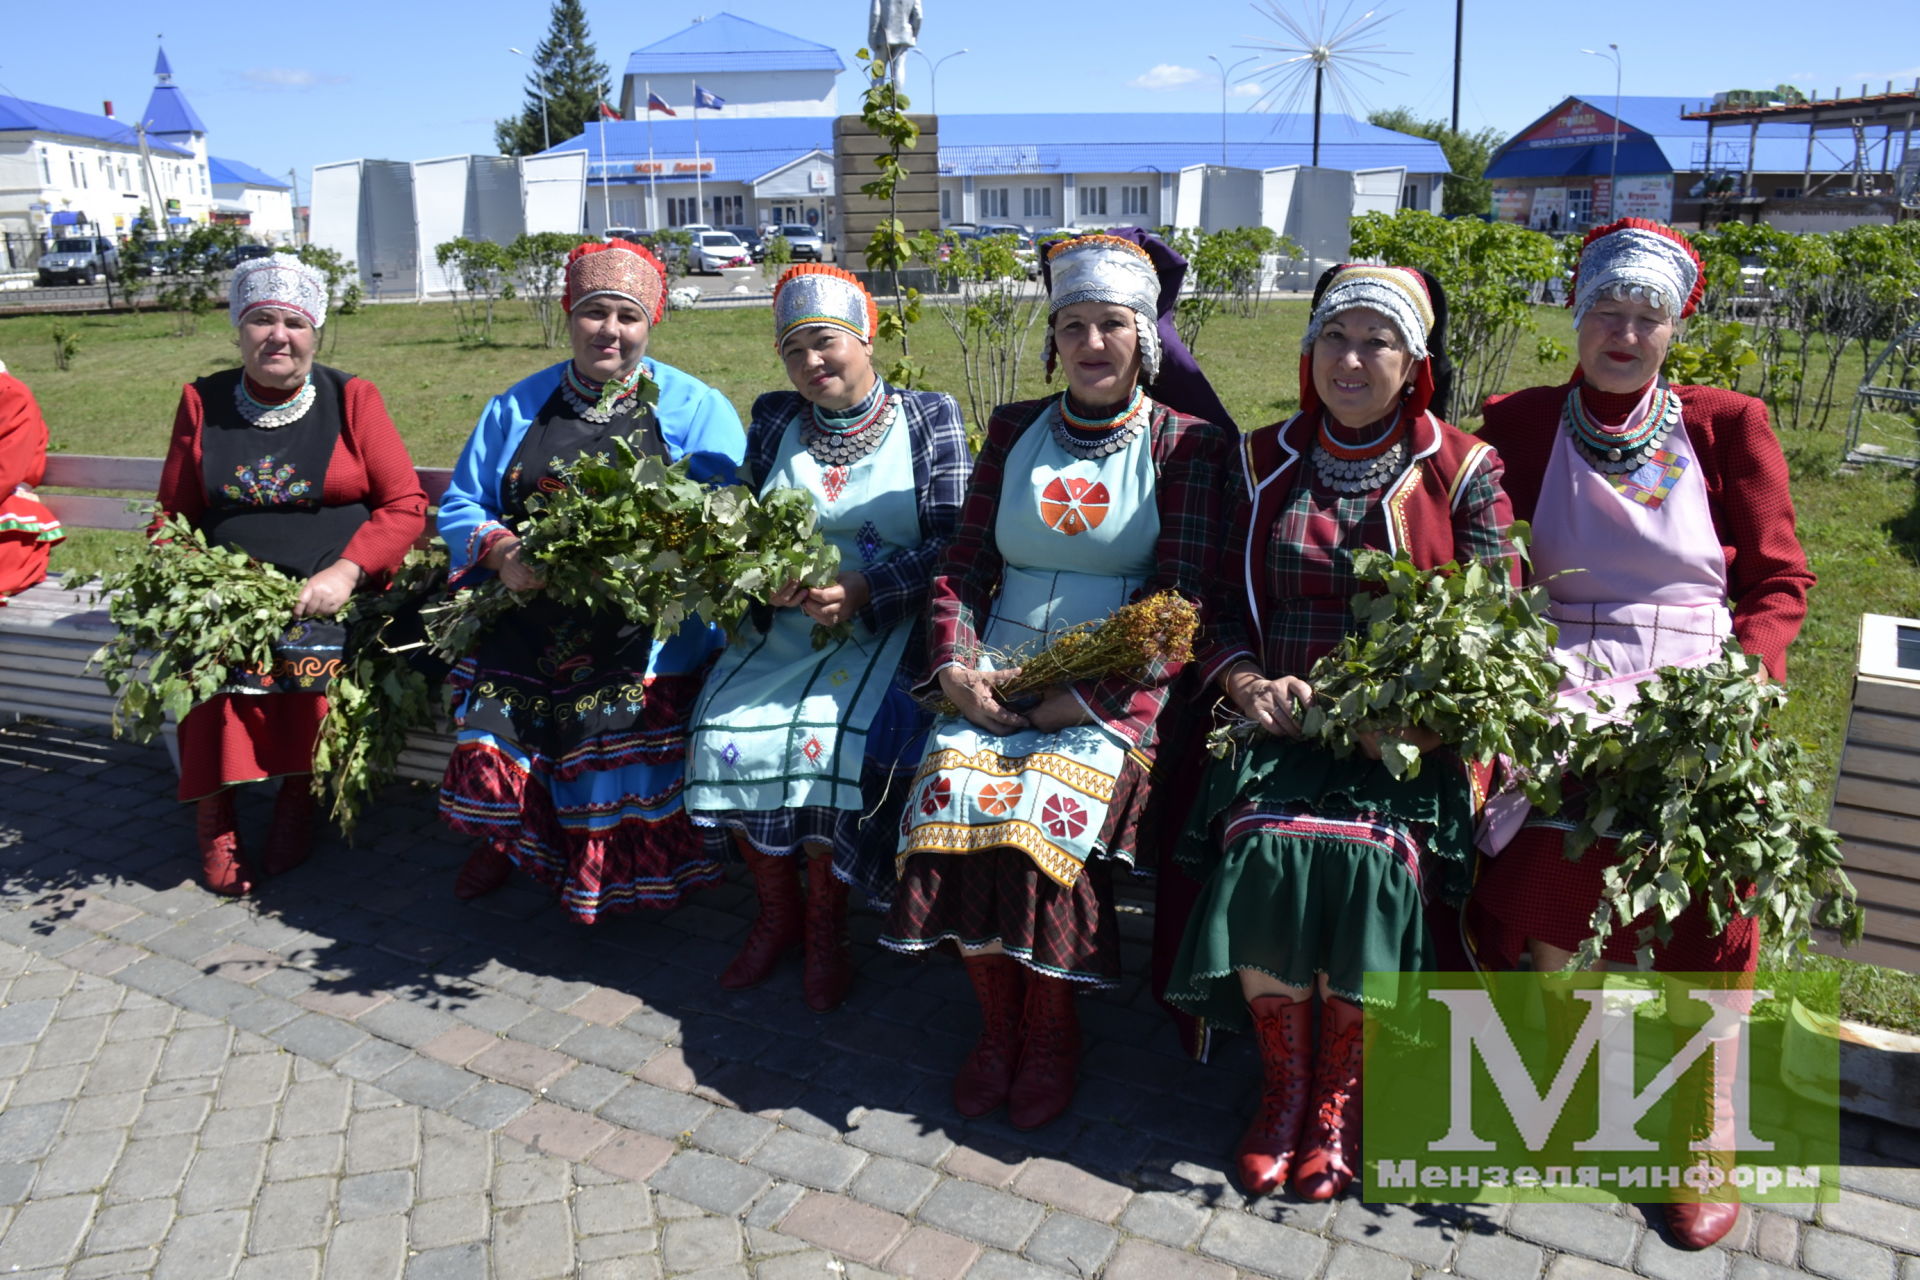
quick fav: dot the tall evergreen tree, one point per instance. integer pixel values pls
(569, 77)
(1466, 191)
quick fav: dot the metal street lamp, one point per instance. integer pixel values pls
(546, 135)
(1613, 166)
(933, 81)
(1225, 73)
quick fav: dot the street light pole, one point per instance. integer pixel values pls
(546, 134)
(933, 79)
(1226, 72)
(1613, 166)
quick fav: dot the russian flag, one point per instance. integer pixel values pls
(706, 101)
(608, 113)
(656, 103)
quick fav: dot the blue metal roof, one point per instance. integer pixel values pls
(728, 43)
(230, 171)
(1656, 140)
(169, 112)
(18, 115)
(743, 148)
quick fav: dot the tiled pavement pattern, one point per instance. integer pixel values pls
(354, 1075)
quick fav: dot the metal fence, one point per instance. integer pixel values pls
(20, 251)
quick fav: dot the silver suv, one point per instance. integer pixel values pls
(79, 260)
(804, 242)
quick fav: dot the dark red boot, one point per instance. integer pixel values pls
(777, 929)
(1330, 1149)
(222, 867)
(1049, 1054)
(986, 1077)
(290, 839)
(829, 961)
(1701, 1220)
(486, 869)
(1284, 1031)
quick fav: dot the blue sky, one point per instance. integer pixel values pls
(282, 88)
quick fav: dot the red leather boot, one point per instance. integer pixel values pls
(1699, 1223)
(1330, 1149)
(1284, 1031)
(986, 1077)
(222, 868)
(1049, 1054)
(486, 869)
(290, 839)
(828, 959)
(777, 928)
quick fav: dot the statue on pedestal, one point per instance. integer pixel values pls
(893, 27)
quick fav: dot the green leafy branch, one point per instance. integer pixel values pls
(883, 109)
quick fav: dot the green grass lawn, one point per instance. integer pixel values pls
(1861, 530)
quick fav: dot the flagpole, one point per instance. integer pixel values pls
(606, 201)
(699, 201)
(653, 198)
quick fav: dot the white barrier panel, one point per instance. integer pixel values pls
(440, 213)
(553, 191)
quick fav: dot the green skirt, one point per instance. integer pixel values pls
(1312, 865)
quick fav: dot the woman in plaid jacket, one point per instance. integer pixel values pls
(1317, 871)
(803, 753)
(1020, 813)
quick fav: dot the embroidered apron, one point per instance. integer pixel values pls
(1642, 582)
(781, 724)
(1077, 538)
(265, 489)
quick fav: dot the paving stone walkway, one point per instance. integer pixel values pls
(353, 1075)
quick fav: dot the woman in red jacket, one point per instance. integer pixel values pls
(299, 466)
(27, 529)
(1662, 525)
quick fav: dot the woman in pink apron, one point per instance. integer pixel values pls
(1671, 503)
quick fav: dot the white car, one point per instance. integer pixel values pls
(714, 250)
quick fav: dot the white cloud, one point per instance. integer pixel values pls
(1904, 73)
(1249, 90)
(287, 78)
(1168, 75)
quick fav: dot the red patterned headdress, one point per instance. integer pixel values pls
(618, 268)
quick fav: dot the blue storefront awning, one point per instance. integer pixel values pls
(178, 220)
(67, 218)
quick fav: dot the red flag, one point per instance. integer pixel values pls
(656, 103)
(608, 113)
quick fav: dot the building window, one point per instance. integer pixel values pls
(728, 211)
(946, 204)
(993, 202)
(1786, 193)
(46, 167)
(1093, 202)
(75, 170)
(1410, 196)
(681, 210)
(1133, 200)
(1036, 202)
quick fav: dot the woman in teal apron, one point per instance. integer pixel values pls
(1079, 503)
(797, 751)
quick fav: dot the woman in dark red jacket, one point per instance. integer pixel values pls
(1662, 525)
(299, 466)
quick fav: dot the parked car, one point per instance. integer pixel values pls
(713, 251)
(1023, 248)
(632, 235)
(79, 260)
(806, 242)
(248, 252)
(756, 247)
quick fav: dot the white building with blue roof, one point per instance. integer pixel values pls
(260, 202)
(767, 155)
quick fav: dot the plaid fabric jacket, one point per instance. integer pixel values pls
(941, 464)
(1447, 504)
(1747, 493)
(1190, 459)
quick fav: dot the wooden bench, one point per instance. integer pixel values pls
(50, 631)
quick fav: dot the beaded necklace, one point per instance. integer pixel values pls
(271, 417)
(840, 439)
(1359, 468)
(1617, 450)
(1070, 428)
(603, 401)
